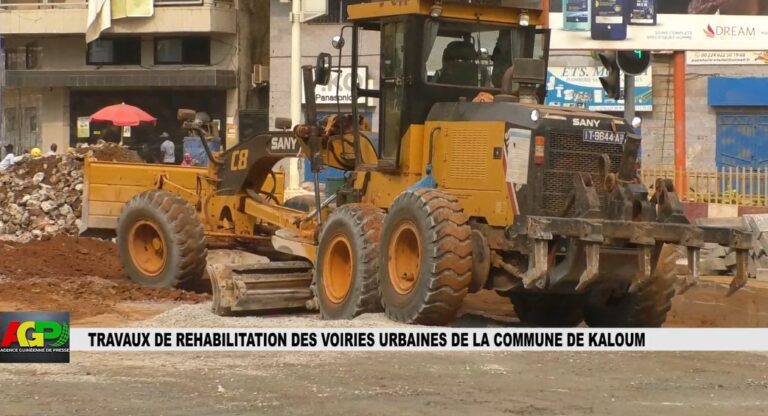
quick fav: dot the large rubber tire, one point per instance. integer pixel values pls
(347, 270)
(547, 309)
(165, 217)
(646, 308)
(426, 258)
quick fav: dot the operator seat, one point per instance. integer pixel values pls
(460, 66)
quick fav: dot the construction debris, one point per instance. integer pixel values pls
(41, 197)
(718, 260)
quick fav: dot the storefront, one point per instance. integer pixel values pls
(741, 105)
(161, 103)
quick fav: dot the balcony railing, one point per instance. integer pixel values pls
(76, 4)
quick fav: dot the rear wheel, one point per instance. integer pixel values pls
(160, 240)
(646, 308)
(347, 264)
(547, 309)
(426, 258)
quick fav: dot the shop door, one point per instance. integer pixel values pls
(742, 140)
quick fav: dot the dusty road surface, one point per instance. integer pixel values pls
(84, 276)
(394, 383)
(231, 384)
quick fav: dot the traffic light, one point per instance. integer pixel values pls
(611, 82)
(634, 62)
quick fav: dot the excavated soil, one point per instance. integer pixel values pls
(79, 275)
(111, 153)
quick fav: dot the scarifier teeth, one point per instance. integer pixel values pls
(742, 273)
(692, 278)
(538, 271)
(644, 268)
(592, 252)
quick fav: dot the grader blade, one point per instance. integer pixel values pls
(260, 287)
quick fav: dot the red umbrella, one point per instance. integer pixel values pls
(123, 115)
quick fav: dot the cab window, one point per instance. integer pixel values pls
(475, 55)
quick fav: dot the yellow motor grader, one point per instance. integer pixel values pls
(541, 204)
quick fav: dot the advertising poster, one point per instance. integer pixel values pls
(703, 25)
(326, 94)
(727, 58)
(83, 127)
(579, 86)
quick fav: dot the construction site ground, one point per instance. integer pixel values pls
(84, 276)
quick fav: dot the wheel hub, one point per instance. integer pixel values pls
(404, 257)
(338, 269)
(147, 248)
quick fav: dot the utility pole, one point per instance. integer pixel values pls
(681, 174)
(293, 175)
(296, 61)
(629, 97)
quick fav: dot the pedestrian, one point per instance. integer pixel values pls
(168, 149)
(187, 161)
(9, 158)
(54, 149)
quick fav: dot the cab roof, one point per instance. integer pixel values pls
(495, 11)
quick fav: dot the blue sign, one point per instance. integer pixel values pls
(579, 87)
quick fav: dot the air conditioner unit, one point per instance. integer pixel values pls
(260, 75)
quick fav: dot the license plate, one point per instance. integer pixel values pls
(604, 136)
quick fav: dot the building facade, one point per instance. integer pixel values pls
(316, 37)
(197, 54)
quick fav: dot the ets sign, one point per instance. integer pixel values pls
(579, 87)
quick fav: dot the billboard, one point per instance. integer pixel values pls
(579, 86)
(727, 58)
(691, 25)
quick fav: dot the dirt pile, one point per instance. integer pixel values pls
(42, 197)
(79, 275)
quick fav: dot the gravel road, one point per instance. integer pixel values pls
(231, 384)
(291, 383)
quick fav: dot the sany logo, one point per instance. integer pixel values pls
(709, 31)
(35, 333)
(283, 143)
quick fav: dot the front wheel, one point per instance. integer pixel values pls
(646, 308)
(548, 310)
(347, 262)
(426, 258)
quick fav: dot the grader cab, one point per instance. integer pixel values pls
(474, 184)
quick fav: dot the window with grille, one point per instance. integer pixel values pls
(114, 51)
(193, 50)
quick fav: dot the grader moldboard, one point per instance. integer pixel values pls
(541, 204)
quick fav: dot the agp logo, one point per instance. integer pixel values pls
(34, 334)
(34, 337)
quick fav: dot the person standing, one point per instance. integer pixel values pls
(54, 149)
(168, 149)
